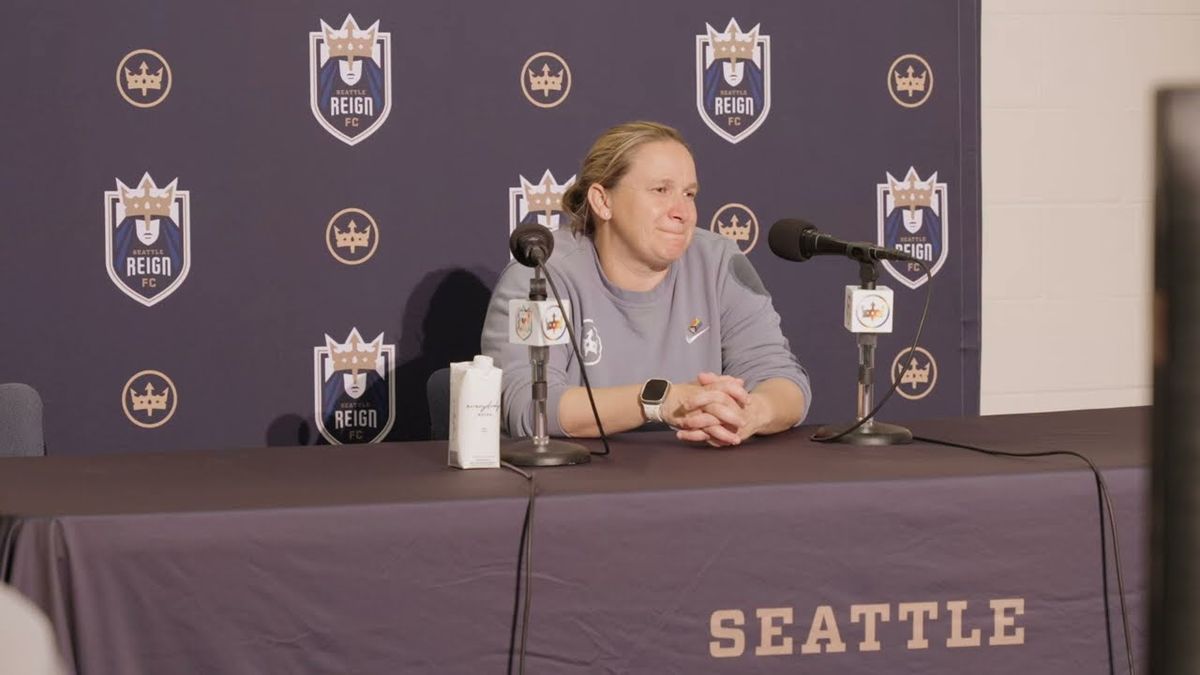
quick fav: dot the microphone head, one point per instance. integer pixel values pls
(786, 239)
(531, 244)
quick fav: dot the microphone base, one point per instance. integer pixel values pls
(525, 452)
(871, 433)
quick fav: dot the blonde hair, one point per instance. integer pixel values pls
(606, 162)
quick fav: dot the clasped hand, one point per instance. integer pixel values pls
(715, 409)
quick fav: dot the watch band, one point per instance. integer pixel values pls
(652, 411)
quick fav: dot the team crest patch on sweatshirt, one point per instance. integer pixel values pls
(593, 346)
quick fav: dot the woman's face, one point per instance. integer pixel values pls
(652, 208)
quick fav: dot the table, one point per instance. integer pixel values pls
(779, 556)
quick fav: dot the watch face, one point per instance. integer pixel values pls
(654, 391)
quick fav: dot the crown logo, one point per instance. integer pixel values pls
(354, 44)
(352, 238)
(143, 202)
(524, 321)
(545, 197)
(149, 401)
(873, 312)
(733, 44)
(909, 83)
(591, 343)
(354, 355)
(143, 79)
(735, 230)
(546, 82)
(914, 375)
(912, 193)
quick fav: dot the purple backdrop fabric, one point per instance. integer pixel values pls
(228, 351)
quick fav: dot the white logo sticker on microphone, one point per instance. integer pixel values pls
(553, 323)
(872, 311)
(524, 322)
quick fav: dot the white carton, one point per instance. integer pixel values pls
(475, 414)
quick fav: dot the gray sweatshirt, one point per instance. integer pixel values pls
(711, 313)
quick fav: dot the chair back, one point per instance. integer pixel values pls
(437, 394)
(20, 421)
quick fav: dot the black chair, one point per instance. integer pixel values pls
(437, 394)
(20, 421)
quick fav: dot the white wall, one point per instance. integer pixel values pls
(1067, 117)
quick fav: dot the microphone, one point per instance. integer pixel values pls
(799, 240)
(539, 323)
(531, 244)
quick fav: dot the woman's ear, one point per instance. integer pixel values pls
(599, 201)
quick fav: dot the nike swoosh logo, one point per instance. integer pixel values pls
(692, 338)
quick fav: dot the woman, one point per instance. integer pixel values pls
(675, 325)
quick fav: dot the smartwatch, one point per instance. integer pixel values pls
(652, 397)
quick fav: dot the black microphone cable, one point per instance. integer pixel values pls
(524, 590)
(1105, 505)
(582, 368)
(907, 362)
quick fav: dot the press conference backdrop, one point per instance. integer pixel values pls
(246, 223)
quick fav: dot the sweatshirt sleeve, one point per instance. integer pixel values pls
(752, 344)
(516, 396)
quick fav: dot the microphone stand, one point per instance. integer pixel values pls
(541, 450)
(869, 432)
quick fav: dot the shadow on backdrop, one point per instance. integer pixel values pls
(290, 429)
(442, 323)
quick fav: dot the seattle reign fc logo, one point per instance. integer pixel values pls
(914, 217)
(733, 80)
(354, 389)
(350, 79)
(539, 203)
(147, 239)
